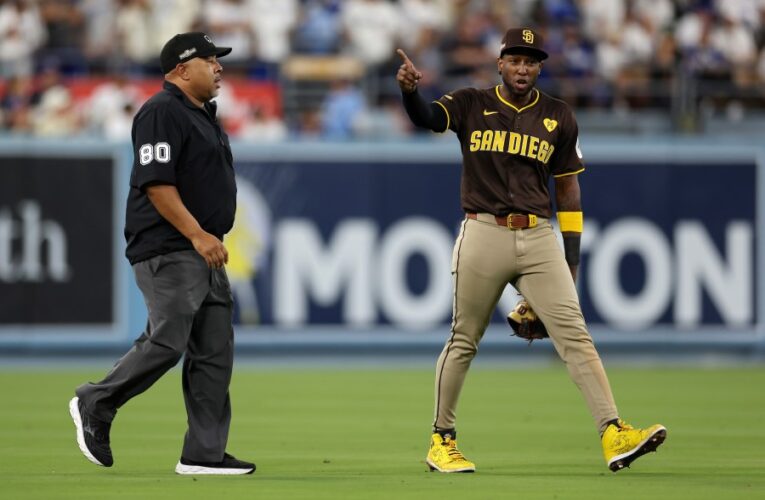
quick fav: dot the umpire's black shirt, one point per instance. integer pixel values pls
(178, 143)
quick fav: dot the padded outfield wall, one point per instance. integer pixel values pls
(346, 247)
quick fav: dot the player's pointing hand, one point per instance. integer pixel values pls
(407, 75)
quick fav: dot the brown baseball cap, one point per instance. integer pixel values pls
(523, 41)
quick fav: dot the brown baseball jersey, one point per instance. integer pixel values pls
(509, 153)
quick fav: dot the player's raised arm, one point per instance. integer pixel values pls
(407, 75)
(422, 113)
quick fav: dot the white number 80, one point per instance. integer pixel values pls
(159, 151)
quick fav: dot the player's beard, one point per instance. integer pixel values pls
(521, 87)
(517, 91)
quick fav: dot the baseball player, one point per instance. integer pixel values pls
(513, 138)
(181, 202)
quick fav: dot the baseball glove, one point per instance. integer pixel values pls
(525, 323)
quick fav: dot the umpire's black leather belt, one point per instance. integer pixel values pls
(510, 221)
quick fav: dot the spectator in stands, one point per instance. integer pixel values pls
(610, 51)
(272, 25)
(660, 14)
(49, 77)
(22, 32)
(424, 23)
(386, 120)
(170, 17)
(134, 32)
(262, 125)
(524, 12)
(759, 37)
(704, 60)
(743, 12)
(637, 48)
(664, 65)
(637, 42)
(99, 42)
(577, 53)
(430, 63)
(56, 114)
(759, 29)
(736, 42)
(228, 23)
(16, 105)
(308, 125)
(561, 11)
(575, 64)
(110, 105)
(465, 47)
(602, 18)
(120, 123)
(372, 29)
(65, 25)
(319, 29)
(609, 56)
(342, 110)
(232, 111)
(690, 27)
(420, 16)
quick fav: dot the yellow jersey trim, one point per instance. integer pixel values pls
(569, 173)
(532, 103)
(570, 222)
(448, 118)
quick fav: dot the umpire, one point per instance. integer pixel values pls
(181, 202)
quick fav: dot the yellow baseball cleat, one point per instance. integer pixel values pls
(444, 456)
(622, 443)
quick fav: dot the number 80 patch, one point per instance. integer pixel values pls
(148, 153)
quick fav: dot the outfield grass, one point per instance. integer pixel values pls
(317, 433)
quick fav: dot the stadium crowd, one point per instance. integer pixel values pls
(333, 61)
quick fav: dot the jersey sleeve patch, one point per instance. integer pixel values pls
(159, 152)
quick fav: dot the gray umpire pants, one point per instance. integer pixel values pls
(190, 312)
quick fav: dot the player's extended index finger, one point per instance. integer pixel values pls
(404, 58)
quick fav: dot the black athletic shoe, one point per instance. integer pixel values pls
(229, 466)
(92, 435)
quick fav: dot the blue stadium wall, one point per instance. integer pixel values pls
(346, 247)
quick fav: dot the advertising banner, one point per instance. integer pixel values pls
(365, 243)
(670, 243)
(56, 241)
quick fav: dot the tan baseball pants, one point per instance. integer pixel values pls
(488, 256)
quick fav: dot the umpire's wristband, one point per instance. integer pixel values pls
(571, 248)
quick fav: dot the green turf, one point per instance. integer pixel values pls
(363, 433)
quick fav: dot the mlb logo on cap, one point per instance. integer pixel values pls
(523, 41)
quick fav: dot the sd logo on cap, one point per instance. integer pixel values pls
(523, 41)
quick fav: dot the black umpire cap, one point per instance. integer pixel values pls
(523, 41)
(186, 46)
